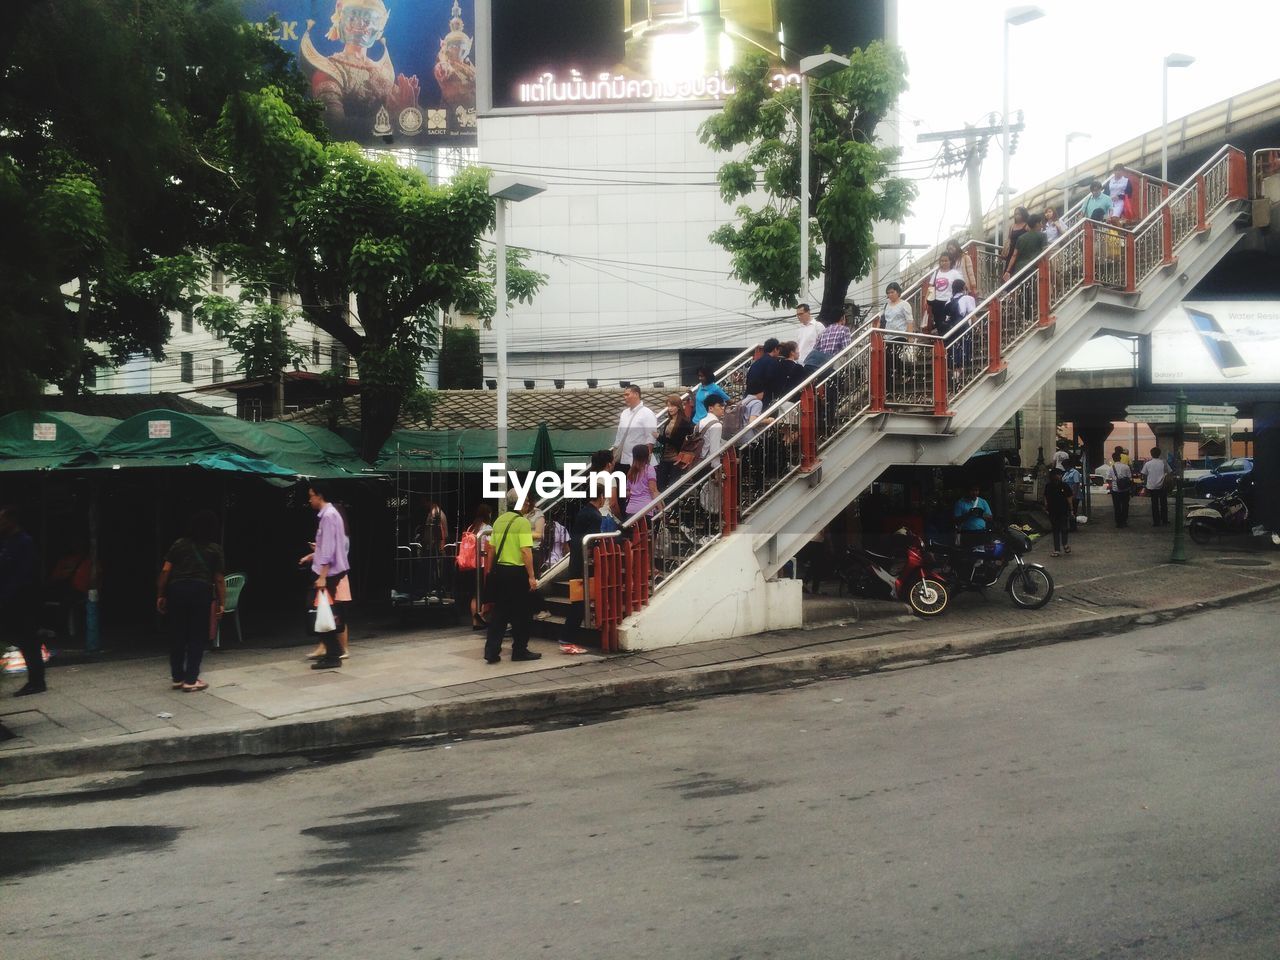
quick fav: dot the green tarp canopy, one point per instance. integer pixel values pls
(32, 440)
(166, 438)
(469, 450)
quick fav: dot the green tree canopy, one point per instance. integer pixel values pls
(106, 111)
(334, 225)
(850, 187)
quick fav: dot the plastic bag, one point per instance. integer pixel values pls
(324, 613)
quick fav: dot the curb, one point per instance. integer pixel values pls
(367, 727)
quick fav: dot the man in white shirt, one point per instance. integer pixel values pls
(1155, 477)
(637, 425)
(1061, 456)
(810, 330)
(1121, 488)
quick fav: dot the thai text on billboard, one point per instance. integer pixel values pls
(593, 55)
(390, 73)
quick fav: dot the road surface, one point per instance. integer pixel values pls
(1114, 797)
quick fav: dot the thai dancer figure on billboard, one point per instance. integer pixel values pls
(370, 66)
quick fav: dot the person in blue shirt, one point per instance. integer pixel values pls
(972, 513)
(1073, 480)
(707, 387)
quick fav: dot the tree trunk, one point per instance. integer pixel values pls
(837, 276)
(379, 410)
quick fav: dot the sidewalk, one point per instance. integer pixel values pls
(122, 714)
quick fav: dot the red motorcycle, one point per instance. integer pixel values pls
(904, 574)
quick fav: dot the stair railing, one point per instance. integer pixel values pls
(914, 373)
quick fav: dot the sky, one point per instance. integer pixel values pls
(1072, 70)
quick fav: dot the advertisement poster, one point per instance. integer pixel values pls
(1218, 341)
(390, 73)
(578, 54)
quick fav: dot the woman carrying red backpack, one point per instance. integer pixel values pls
(468, 559)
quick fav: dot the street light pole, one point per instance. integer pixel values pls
(1179, 504)
(1013, 17)
(1172, 60)
(819, 65)
(1066, 166)
(504, 190)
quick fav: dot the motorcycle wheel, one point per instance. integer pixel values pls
(1201, 531)
(1030, 587)
(928, 598)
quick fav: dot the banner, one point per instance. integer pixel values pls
(1216, 342)
(390, 73)
(557, 55)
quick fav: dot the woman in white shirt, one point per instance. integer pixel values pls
(897, 312)
(940, 291)
(1118, 187)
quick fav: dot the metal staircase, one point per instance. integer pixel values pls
(703, 565)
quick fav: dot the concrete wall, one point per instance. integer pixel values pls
(623, 229)
(742, 603)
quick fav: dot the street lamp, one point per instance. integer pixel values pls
(1066, 166)
(817, 66)
(504, 190)
(1013, 17)
(1172, 60)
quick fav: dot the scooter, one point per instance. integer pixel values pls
(980, 566)
(907, 578)
(1223, 516)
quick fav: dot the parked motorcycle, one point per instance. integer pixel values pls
(981, 565)
(1224, 516)
(889, 576)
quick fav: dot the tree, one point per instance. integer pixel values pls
(105, 109)
(850, 184)
(332, 224)
(460, 366)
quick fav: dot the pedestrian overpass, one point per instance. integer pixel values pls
(705, 565)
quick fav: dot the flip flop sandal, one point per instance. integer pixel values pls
(572, 648)
(178, 684)
(194, 687)
(1055, 554)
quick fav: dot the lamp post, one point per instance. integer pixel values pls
(504, 190)
(1066, 166)
(1013, 17)
(1172, 60)
(817, 66)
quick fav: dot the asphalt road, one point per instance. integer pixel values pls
(1115, 797)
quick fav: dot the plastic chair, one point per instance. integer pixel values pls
(235, 584)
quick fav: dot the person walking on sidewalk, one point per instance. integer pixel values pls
(1121, 488)
(191, 592)
(1059, 501)
(1073, 480)
(329, 564)
(510, 583)
(18, 607)
(1155, 477)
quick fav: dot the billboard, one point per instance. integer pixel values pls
(390, 73)
(1218, 342)
(580, 55)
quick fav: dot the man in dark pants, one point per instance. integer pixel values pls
(585, 523)
(1121, 488)
(18, 607)
(510, 582)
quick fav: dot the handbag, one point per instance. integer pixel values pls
(325, 622)
(1120, 484)
(689, 451)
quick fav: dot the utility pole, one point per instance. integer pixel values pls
(973, 170)
(976, 140)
